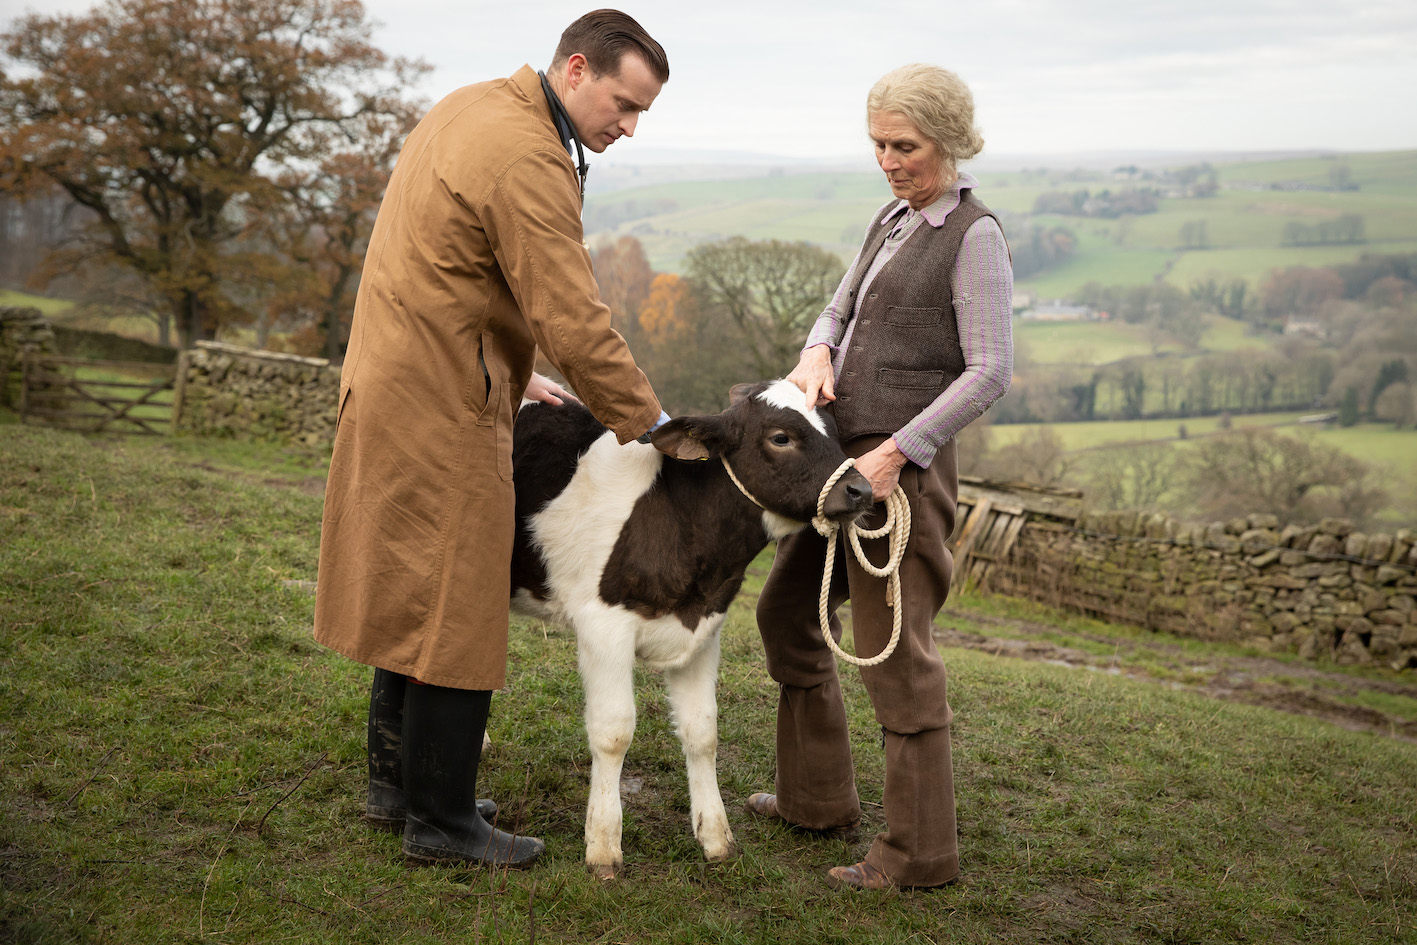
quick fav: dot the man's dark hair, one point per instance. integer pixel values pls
(603, 37)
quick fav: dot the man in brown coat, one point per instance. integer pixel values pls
(476, 261)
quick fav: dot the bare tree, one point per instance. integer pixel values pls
(169, 119)
(771, 290)
(1258, 470)
(1132, 476)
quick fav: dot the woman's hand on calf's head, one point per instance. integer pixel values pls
(813, 374)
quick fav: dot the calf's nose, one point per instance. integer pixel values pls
(849, 497)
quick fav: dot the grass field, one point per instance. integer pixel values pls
(1096, 343)
(180, 762)
(50, 307)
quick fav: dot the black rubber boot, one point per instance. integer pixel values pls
(442, 746)
(385, 809)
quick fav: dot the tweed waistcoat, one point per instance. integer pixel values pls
(905, 348)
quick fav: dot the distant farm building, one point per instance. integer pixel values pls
(1060, 311)
(1296, 327)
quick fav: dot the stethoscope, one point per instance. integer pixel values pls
(567, 130)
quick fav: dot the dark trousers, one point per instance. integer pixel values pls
(816, 785)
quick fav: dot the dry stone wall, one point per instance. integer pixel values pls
(1322, 591)
(23, 331)
(227, 390)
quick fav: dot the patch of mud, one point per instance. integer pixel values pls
(1299, 688)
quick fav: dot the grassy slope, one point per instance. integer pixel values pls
(178, 760)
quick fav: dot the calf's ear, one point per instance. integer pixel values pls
(741, 392)
(689, 438)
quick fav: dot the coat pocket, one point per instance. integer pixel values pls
(914, 317)
(344, 393)
(914, 380)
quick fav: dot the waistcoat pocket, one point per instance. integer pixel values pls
(913, 317)
(890, 377)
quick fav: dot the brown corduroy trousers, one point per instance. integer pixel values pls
(816, 784)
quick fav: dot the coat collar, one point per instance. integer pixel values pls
(532, 86)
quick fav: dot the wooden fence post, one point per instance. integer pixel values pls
(184, 360)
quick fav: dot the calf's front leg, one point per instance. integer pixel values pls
(693, 694)
(607, 662)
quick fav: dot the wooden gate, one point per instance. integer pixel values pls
(990, 517)
(97, 396)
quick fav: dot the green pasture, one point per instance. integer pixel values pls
(1103, 433)
(1097, 343)
(1371, 170)
(1378, 443)
(50, 307)
(180, 762)
(1254, 264)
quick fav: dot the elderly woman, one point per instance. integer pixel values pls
(915, 344)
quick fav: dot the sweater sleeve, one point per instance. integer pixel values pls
(982, 283)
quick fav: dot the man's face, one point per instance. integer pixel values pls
(605, 107)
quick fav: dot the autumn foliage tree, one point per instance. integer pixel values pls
(321, 223)
(174, 122)
(623, 273)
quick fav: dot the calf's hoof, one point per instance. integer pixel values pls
(605, 872)
(726, 852)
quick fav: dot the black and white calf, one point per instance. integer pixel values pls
(642, 555)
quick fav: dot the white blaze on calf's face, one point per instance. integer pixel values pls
(788, 396)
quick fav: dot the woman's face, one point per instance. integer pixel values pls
(912, 162)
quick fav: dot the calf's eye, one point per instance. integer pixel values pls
(781, 439)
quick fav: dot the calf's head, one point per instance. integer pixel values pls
(782, 452)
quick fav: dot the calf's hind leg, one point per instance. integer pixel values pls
(607, 661)
(693, 694)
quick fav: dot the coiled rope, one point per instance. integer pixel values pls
(896, 525)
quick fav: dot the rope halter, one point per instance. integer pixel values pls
(896, 525)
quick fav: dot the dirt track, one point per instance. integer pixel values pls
(1301, 688)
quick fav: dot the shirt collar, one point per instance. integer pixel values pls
(943, 206)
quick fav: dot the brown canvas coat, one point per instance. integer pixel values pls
(475, 261)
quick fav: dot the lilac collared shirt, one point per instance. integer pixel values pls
(982, 284)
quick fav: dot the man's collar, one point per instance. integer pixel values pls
(566, 129)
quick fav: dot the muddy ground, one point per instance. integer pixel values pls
(1302, 688)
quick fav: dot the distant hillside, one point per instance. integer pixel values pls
(1239, 231)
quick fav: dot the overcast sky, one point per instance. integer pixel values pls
(790, 78)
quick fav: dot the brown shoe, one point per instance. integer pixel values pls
(762, 804)
(765, 805)
(858, 876)
(865, 876)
